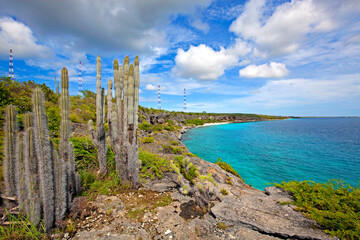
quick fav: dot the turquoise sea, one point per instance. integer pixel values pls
(317, 149)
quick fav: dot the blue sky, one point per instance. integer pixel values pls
(298, 58)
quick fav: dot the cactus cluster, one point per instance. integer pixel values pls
(43, 180)
(122, 120)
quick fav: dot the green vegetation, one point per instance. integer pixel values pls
(171, 149)
(148, 140)
(334, 205)
(144, 126)
(222, 226)
(156, 127)
(152, 164)
(94, 185)
(194, 121)
(21, 228)
(85, 153)
(224, 191)
(227, 167)
(187, 169)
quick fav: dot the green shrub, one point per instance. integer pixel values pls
(194, 121)
(169, 128)
(148, 140)
(85, 153)
(227, 167)
(74, 118)
(187, 169)
(144, 126)
(156, 127)
(224, 191)
(152, 164)
(176, 150)
(167, 148)
(174, 143)
(334, 205)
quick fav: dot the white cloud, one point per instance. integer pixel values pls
(150, 87)
(200, 25)
(296, 92)
(286, 28)
(19, 37)
(272, 70)
(204, 63)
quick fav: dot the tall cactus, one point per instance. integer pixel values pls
(57, 87)
(44, 155)
(109, 104)
(65, 123)
(20, 171)
(33, 201)
(60, 180)
(9, 152)
(99, 136)
(137, 84)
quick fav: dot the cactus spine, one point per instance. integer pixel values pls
(43, 153)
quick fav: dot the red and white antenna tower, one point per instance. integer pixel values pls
(159, 99)
(11, 66)
(184, 99)
(80, 80)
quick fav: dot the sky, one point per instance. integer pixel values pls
(290, 58)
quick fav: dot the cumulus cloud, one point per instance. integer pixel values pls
(150, 87)
(129, 26)
(286, 28)
(204, 63)
(19, 37)
(272, 70)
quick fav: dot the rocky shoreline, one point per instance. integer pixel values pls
(235, 210)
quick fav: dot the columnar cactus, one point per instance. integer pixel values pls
(20, 170)
(65, 123)
(44, 156)
(57, 87)
(9, 152)
(61, 185)
(99, 136)
(33, 201)
(109, 104)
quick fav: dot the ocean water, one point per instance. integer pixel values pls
(317, 149)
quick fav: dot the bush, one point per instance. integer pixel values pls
(156, 127)
(144, 126)
(187, 169)
(224, 191)
(176, 150)
(148, 140)
(167, 148)
(152, 164)
(169, 128)
(194, 121)
(227, 167)
(334, 205)
(85, 153)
